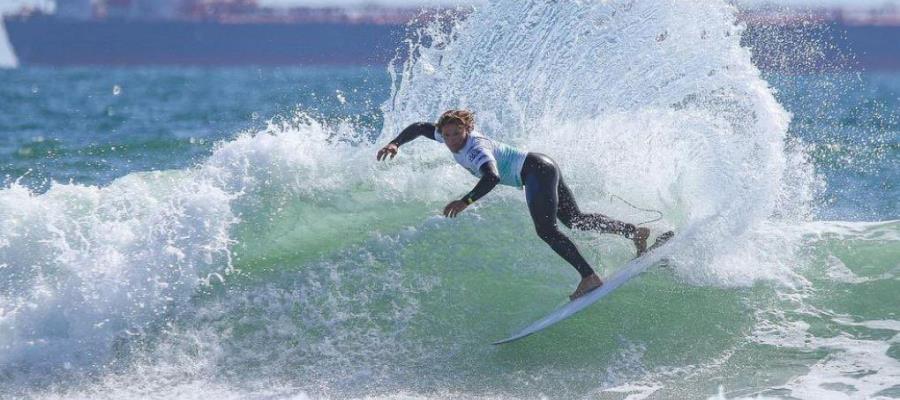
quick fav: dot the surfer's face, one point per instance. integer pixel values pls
(455, 136)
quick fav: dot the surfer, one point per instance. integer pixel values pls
(546, 193)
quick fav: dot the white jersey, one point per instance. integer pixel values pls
(479, 150)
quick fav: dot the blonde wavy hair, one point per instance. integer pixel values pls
(465, 118)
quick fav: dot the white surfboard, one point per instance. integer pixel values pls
(633, 268)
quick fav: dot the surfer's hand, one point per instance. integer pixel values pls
(390, 149)
(454, 207)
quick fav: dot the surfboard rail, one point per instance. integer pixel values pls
(631, 269)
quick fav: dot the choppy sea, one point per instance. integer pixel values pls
(226, 233)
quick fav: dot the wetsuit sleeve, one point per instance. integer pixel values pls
(413, 131)
(490, 176)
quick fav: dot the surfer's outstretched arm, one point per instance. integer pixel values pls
(490, 177)
(411, 132)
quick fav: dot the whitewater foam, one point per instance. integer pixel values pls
(659, 105)
(85, 265)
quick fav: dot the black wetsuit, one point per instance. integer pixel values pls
(547, 196)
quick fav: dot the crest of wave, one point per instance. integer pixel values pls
(655, 102)
(87, 270)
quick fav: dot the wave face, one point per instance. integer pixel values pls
(288, 264)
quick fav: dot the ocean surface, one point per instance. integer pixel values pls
(228, 234)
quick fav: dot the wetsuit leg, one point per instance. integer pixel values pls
(541, 177)
(572, 217)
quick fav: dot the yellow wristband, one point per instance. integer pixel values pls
(469, 200)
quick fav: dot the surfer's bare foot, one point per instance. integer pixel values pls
(586, 285)
(640, 240)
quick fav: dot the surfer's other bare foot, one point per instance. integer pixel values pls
(640, 240)
(587, 284)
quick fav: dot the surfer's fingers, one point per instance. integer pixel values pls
(384, 152)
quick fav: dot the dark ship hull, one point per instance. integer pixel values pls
(54, 41)
(47, 40)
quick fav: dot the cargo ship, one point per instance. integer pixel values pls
(203, 32)
(241, 32)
